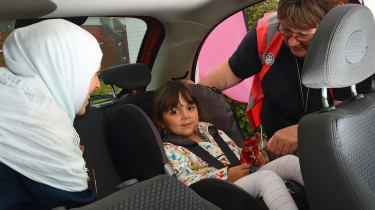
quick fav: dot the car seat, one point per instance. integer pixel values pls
(221, 114)
(337, 147)
(92, 126)
(134, 140)
(137, 134)
(117, 192)
(128, 123)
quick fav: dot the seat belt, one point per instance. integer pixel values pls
(206, 156)
(232, 158)
(202, 153)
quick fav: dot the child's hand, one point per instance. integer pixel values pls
(261, 160)
(237, 172)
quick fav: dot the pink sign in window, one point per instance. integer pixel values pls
(219, 46)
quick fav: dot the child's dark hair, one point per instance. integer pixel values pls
(167, 97)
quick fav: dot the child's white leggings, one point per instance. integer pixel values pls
(267, 182)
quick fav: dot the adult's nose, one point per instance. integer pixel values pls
(292, 41)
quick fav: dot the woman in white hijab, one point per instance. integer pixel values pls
(51, 71)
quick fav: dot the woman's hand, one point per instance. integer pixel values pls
(238, 172)
(283, 142)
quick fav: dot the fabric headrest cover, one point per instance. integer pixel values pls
(342, 52)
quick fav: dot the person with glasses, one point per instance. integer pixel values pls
(273, 52)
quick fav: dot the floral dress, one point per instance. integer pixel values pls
(190, 168)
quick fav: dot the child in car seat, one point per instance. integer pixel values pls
(176, 113)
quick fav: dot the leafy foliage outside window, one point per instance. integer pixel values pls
(2, 39)
(256, 12)
(5, 28)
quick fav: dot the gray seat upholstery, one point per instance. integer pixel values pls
(337, 144)
(160, 192)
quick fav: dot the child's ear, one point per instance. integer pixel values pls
(160, 124)
(161, 127)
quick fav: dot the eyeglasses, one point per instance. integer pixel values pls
(287, 33)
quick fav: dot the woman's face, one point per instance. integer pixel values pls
(298, 40)
(181, 120)
(94, 84)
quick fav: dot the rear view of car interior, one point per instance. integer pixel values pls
(147, 42)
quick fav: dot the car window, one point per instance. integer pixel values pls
(120, 39)
(219, 46)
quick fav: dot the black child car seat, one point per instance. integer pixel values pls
(115, 191)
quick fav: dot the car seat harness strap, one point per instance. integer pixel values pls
(202, 153)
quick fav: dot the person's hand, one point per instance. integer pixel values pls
(261, 160)
(283, 142)
(188, 81)
(237, 172)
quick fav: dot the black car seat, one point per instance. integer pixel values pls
(92, 127)
(118, 192)
(337, 147)
(134, 140)
(138, 143)
(218, 111)
(134, 76)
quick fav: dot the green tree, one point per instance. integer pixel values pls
(257, 11)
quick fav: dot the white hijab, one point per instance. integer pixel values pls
(49, 68)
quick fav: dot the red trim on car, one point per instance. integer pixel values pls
(151, 42)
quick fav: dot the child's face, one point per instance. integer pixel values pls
(181, 120)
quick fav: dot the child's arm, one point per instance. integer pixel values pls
(189, 168)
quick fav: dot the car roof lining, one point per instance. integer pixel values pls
(25, 22)
(13, 9)
(198, 11)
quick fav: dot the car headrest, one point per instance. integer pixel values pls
(342, 52)
(127, 76)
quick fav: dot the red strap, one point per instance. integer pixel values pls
(331, 92)
(273, 49)
(262, 28)
(256, 89)
(253, 115)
